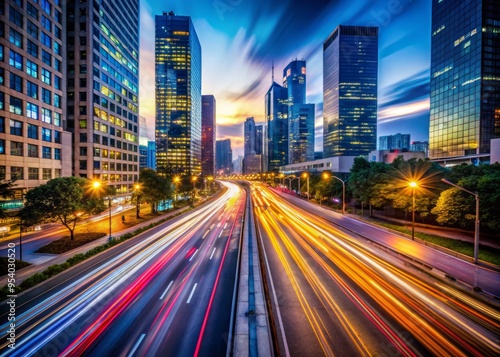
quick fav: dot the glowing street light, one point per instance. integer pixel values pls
(137, 188)
(413, 186)
(96, 185)
(306, 175)
(326, 176)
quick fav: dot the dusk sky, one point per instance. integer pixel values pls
(240, 40)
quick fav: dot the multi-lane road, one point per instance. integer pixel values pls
(334, 294)
(168, 292)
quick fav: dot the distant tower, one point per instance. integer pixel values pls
(350, 70)
(208, 135)
(178, 95)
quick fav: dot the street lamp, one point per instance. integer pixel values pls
(413, 186)
(306, 175)
(177, 179)
(96, 185)
(325, 175)
(194, 178)
(476, 228)
(137, 187)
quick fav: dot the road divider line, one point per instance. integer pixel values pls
(166, 290)
(205, 234)
(191, 295)
(211, 255)
(220, 233)
(196, 251)
(225, 225)
(136, 346)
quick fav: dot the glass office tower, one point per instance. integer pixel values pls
(223, 156)
(178, 95)
(301, 133)
(465, 85)
(276, 111)
(208, 135)
(350, 70)
(103, 90)
(34, 146)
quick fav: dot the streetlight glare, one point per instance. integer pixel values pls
(96, 184)
(413, 184)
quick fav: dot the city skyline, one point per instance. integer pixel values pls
(240, 41)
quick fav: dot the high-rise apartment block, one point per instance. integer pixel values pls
(103, 90)
(350, 70)
(208, 135)
(465, 90)
(394, 142)
(178, 95)
(34, 146)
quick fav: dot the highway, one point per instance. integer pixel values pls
(335, 294)
(167, 292)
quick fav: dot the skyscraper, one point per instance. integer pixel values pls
(465, 90)
(300, 115)
(350, 68)
(301, 133)
(259, 139)
(178, 95)
(103, 90)
(208, 135)
(34, 146)
(276, 111)
(249, 135)
(223, 156)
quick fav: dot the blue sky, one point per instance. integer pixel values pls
(241, 38)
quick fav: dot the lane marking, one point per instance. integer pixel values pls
(196, 251)
(205, 234)
(225, 225)
(191, 295)
(166, 290)
(212, 254)
(212, 226)
(220, 233)
(137, 345)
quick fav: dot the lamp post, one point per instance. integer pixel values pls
(177, 179)
(137, 187)
(325, 175)
(194, 178)
(96, 185)
(476, 226)
(306, 175)
(413, 186)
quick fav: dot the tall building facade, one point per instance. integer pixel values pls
(34, 146)
(465, 90)
(249, 135)
(301, 133)
(178, 95)
(103, 90)
(223, 156)
(208, 135)
(259, 139)
(394, 142)
(350, 70)
(420, 146)
(300, 115)
(276, 112)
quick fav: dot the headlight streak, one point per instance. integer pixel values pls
(450, 326)
(108, 277)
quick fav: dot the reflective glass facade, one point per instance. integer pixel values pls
(208, 135)
(350, 69)
(103, 90)
(223, 156)
(276, 111)
(178, 95)
(301, 133)
(465, 78)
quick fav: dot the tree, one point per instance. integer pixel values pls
(154, 188)
(457, 207)
(63, 199)
(5, 191)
